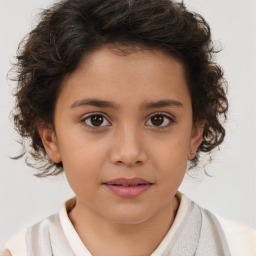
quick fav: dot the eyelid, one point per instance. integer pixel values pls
(161, 113)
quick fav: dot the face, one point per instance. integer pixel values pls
(124, 133)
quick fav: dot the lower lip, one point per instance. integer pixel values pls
(128, 192)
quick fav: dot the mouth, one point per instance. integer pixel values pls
(128, 188)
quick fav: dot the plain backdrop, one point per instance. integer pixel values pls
(231, 192)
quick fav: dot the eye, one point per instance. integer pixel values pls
(95, 121)
(160, 120)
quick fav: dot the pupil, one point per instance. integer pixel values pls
(96, 120)
(157, 120)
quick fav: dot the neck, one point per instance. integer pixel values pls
(98, 234)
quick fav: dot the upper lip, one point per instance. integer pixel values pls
(127, 181)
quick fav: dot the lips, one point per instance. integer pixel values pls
(128, 182)
(128, 188)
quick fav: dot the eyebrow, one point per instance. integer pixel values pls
(109, 104)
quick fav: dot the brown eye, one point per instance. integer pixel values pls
(95, 120)
(157, 120)
(160, 120)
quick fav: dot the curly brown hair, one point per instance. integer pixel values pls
(71, 29)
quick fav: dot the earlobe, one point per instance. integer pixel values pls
(50, 142)
(196, 139)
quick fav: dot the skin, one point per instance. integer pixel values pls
(5, 252)
(128, 143)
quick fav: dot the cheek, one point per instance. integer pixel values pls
(171, 165)
(82, 160)
(170, 173)
(173, 149)
(170, 157)
(79, 149)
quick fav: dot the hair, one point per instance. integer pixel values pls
(71, 29)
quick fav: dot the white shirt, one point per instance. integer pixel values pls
(241, 239)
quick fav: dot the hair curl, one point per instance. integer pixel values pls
(71, 29)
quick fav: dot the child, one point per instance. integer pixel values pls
(121, 94)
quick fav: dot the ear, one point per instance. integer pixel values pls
(196, 139)
(50, 142)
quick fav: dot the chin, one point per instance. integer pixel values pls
(129, 216)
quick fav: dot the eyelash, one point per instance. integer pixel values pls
(171, 119)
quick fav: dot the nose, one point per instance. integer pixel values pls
(128, 148)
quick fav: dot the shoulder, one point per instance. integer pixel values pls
(17, 245)
(241, 238)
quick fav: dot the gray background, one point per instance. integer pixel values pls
(231, 192)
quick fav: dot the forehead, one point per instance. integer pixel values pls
(140, 75)
(125, 59)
